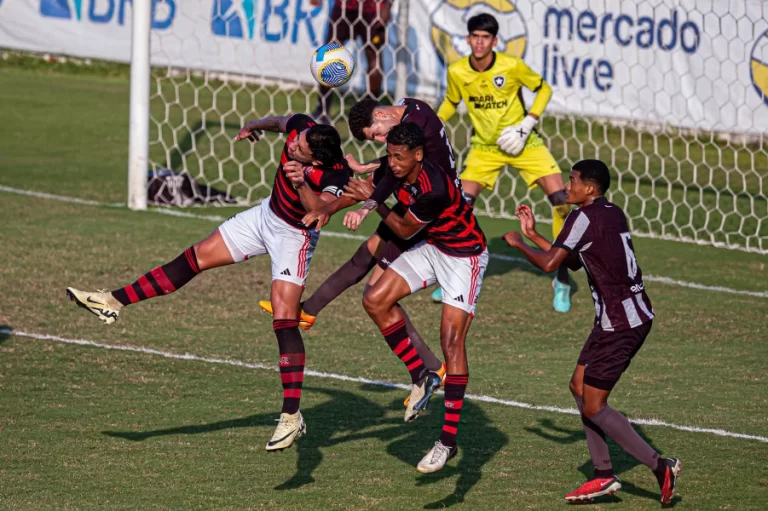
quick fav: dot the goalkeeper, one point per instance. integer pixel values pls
(490, 85)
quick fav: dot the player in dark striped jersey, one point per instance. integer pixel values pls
(596, 237)
(312, 172)
(368, 120)
(452, 253)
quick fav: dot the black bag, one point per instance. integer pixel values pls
(169, 188)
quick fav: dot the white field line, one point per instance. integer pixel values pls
(500, 257)
(352, 379)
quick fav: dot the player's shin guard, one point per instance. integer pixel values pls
(292, 358)
(162, 280)
(345, 277)
(455, 387)
(397, 338)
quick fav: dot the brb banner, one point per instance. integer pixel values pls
(699, 64)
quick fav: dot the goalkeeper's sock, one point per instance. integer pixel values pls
(560, 212)
(162, 280)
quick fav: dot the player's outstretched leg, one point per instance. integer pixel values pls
(209, 253)
(350, 273)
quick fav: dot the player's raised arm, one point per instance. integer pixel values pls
(252, 130)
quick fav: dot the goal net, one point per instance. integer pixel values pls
(671, 94)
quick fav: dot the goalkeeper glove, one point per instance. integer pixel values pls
(512, 139)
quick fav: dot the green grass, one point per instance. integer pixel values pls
(87, 428)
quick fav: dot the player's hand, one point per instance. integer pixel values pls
(512, 140)
(527, 220)
(359, 189)
(319, 217)
(315, 3)
(360, 168)
(352, 220)
(248, 132)
(514, 239)
(294, 171)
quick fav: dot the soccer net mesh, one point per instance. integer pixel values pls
(687, 184)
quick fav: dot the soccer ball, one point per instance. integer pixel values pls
(332, 65)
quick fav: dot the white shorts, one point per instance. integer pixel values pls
(460, 277)
(260, 231)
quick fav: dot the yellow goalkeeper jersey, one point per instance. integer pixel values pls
(493, 97)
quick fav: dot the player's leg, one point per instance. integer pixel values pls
(349, 274)
(405, 276)
(211, 252)
(291, 252)
(461, 278)
(391, 251)
(285, 299)
(604, 481)
(611, 358)
(537, 167)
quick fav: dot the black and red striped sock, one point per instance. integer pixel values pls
(397, 338)
(455, 387)
(292, 358)
(162, 280)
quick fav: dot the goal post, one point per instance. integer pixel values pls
(138, 131)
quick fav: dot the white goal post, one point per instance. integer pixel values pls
(670, 93)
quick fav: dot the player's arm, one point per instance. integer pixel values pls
(320, 217)
(404, 227)
(452, 98)
(548, 260)
(253, 129)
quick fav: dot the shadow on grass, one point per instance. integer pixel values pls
(328, 426)
(622, 462)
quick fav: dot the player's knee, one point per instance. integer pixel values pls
(592, 407)
(372, 305)
(575, 387)
(558, 198)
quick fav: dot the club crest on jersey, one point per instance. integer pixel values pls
(499, 81)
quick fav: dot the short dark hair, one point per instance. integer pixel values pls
(594, 171)
(325, 143)
(484, 22)
(361, 117)
(408, 134)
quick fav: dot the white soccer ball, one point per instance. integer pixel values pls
(332, 65)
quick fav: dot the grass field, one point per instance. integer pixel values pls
(84, 427)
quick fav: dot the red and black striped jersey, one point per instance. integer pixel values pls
(436, 201)
(285, 201)
(437, 147)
